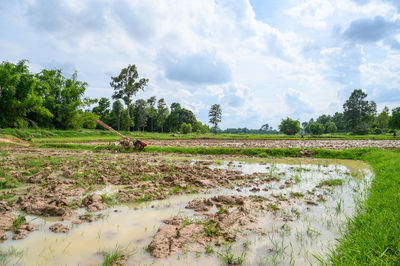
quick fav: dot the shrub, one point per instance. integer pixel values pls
(317, 128)
(289, 126)
(186, 128)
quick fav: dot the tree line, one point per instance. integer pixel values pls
(50, 100)
(359, 117)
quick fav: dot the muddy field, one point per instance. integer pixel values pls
(324, 144)
(76, 207)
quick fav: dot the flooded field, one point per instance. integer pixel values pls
(178, 210)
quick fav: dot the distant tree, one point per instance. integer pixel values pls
(117, 110)
(200, 128)
(317, 128)
(215, 115)
(382, 120)
(289, 126)
(102, 109)
(330, 127)
(395, 119)
(265, 127)
(358, 112)
(323, 119)
(127, 84)
(174, 119)
(151, 112)
(162, 114)
(338, 119)
(140, 114)
(186, 128)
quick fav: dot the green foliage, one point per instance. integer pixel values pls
(331, 182)
(371, 236)
(186, 128)
(127, 84)
(229, 258)
(382, 120)
(289, 126)
(331, 127)
(395, 119)
(20, 220)
(316, 128)
(358, 112)
(111, 257)
(215, 115)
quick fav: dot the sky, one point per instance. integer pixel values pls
(261, 60)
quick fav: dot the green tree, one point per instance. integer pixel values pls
(186, 128)
(21, 99)
(62, 97)
(289, 126)
(382, 120)
(162, 114)
(338, 119)
(174, 119)
(394, 121)
(127, 84)
(215, 115)
(323, 119)
(102, 109)
(317, 128)
(151, 112)
(331, 127)
(140, 114)
(117, 110)
(358, 112)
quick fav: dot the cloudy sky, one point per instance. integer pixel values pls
(260, 59)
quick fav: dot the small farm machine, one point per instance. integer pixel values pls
(125, 142)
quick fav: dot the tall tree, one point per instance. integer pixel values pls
(140, 114)
(395, 119)
(382, 120)
(215, 115)
(174, 119)
(151, 111)
(358, 112)
(162, 114)
(102, 108)
(117, 110)
(127, 84)
(338, 119)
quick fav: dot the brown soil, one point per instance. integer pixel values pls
(325, 144)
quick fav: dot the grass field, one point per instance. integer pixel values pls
(86, 135)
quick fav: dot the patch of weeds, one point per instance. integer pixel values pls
(211, 228)
(189, 220)
(222, 210)
(145, 197)
(110, 199)
(176, 189)
(229, 258)
(273, 206)
(20, 220)
(331, 182)
(3, 153)
(7, 196)
(339, 207)
(113, 256)
(312, 233)
(209, 249)
(6, 183)
(296, 194)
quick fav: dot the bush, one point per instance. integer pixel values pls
(289, 126)
(317, 128)
(331, 127)
(361, 129)
(186, 128)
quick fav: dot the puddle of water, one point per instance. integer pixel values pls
(280, 242)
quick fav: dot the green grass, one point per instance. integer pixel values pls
(110, 199)
(20, 220)
(88, 135)
(114, 255)
(229, 258)
(372, 235)
(331, 182)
